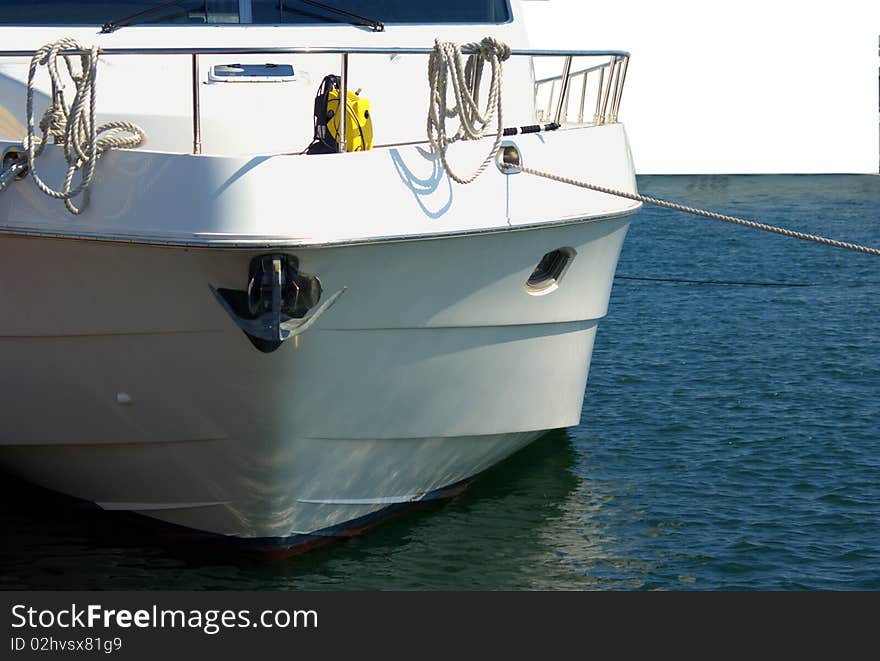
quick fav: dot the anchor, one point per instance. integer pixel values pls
(275, 306)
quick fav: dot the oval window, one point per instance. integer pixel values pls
(549, 271)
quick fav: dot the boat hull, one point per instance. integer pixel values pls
(129, 386)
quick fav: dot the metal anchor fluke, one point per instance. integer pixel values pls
(276, 303)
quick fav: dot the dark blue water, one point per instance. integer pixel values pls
(730, 437)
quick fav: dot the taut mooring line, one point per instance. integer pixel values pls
(700, 212)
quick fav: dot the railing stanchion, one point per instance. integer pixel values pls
(597, 117)
(619, 89)
(612, 69)
(196, 109)
(563, 92)
(550, 100)
(583, 99)
(342, 107)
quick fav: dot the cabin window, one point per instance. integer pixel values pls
(264, 12)
(387, 11)
(98, 12)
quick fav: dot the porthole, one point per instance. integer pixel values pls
(549, 271)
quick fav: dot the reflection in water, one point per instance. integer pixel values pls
(465, 542)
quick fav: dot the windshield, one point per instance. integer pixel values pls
(266, 12)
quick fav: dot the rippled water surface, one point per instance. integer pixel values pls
(730, 437)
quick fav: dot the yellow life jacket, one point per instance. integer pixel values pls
(358, 124)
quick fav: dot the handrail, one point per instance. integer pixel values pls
(315, 50)
(579, 72)
(617, 61)
(607, 93)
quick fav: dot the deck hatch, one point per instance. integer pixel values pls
(251, 73)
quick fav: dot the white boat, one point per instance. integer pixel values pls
(423, 330)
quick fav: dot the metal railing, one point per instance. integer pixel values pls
(612, 91)
(604, 95)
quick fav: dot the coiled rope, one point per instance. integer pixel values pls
(700, 212)
(73, 126)
(444, 66)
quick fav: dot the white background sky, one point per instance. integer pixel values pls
(759, 86)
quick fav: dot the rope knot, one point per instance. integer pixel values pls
(490, 48)
(72, 126)
(445, 68)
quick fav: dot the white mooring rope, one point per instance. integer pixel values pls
(73, 126)
(445, 66)
(700, 212)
